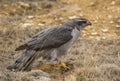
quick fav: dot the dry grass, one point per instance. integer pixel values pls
(95, 56)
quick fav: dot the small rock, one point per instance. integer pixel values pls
(95, 21)
(117, 26)
(113, 3)
(104, 30)
(109, 16)
(30, 17)
(26, 25)
(108, 8)
(111, 22)
(40, 24)
(94, 33)
(72, 17)
(61, 18)
(92, 3)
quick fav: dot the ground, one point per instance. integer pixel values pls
(94, 57)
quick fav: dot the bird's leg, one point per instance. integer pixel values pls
(63, 65)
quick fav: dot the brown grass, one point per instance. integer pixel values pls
(94, 57)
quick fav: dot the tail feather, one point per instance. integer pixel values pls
(22, 47)
(24, 62)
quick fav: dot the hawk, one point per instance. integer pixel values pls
(54, 42)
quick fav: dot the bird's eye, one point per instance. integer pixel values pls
(84, 21)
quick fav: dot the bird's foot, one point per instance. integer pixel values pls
(64, 66)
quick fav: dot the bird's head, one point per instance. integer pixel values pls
(82, 23)
(78, 23)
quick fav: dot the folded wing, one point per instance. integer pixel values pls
(49, 38)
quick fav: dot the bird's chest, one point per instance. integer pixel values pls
(75, 34)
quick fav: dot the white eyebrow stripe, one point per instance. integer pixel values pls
(81, 20)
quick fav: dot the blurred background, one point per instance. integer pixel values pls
(95, 56)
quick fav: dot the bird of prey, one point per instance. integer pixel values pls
(54, 42)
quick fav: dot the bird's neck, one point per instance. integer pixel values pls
(72, 25)
(79, 27)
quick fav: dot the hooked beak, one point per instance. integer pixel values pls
(89, 23)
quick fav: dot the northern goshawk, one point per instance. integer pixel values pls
(53, 42)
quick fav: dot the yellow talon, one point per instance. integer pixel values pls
(62, 64)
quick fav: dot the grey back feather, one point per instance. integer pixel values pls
(51, 38)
